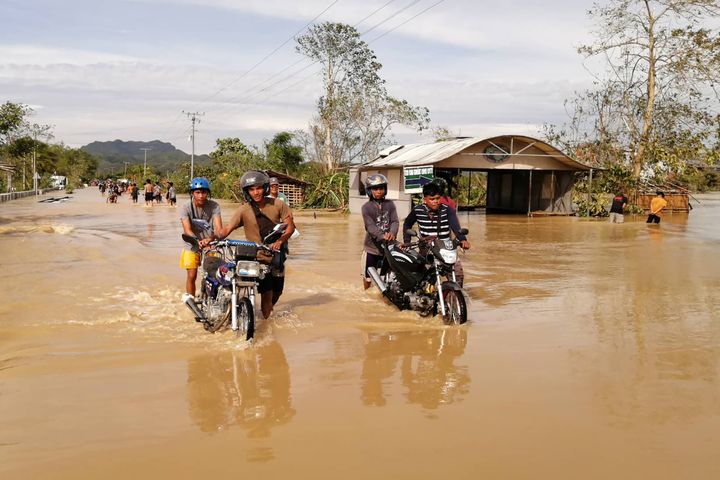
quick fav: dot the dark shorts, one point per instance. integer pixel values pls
(653, 219)
(271, 283)
(148, 196)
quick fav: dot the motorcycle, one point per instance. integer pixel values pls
(230, 272)
(411, 277)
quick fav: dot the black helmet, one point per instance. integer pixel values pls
(377, 180)
(254, 178)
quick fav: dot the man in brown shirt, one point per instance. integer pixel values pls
(257, 217)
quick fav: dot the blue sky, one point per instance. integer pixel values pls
(121, 69)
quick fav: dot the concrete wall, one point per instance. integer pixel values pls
(6, 197)
(395, 190)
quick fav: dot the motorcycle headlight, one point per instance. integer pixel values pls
(248, 269)
(448, 256)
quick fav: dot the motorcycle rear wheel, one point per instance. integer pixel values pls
(455, 308)
(246, 319)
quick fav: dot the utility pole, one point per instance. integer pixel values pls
(193, 118)
(125, 174)
(145, 163)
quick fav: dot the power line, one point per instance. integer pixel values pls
(406, 21)
(373, 13)
(260, 87)
(263, 86)
(262, 60)
(391, 17)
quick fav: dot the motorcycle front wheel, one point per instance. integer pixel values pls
(455, 308)
(246, 319)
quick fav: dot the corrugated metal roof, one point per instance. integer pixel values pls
(429, 153)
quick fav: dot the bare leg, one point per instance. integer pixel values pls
(266, 303)
(190, 282)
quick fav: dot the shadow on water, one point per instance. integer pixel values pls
(311, 300)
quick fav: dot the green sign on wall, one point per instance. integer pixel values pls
(416, 177)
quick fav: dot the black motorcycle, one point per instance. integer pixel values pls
(411, 277)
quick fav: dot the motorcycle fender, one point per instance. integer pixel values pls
(449, 285)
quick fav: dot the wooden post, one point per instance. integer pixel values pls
(529, 192)
(589, 190)
(552, 191)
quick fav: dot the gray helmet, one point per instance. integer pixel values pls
(376, 180)
(254, 178)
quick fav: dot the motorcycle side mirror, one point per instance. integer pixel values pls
(191, 240)
(276, 233)
(464, 231)
(411, 232)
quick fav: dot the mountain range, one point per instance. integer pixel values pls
(161, 157)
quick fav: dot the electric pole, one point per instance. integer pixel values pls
(125, 174)
(193, 118)
(145, 163)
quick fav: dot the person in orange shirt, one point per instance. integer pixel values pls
(657, 205)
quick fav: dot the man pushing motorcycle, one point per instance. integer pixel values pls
(258, 217)
(437, 220)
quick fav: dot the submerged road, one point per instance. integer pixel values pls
(592, 351)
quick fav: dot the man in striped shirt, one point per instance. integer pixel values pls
(436, 219)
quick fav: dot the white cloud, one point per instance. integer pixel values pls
(43, 56)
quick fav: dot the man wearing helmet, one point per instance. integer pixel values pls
(381, 223)
(275, 190)
(201, 219)
(258, 217)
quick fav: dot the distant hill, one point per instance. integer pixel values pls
(162, 156)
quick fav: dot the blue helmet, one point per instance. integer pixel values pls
(199, 183)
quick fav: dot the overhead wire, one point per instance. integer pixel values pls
(261, 87)
(262, 60)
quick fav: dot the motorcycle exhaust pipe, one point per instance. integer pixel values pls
(190, 302)
(376, 278)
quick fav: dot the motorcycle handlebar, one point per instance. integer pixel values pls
(224, 243)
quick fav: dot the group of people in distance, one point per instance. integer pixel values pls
(153, 193)
(435, 216)
(657, 205)
(264, 208)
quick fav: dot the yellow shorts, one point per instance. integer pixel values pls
(189, 259)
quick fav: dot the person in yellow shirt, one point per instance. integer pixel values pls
(657, 205)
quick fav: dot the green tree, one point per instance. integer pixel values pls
(657, 105)
(230, 160)
(356, 112)
(283, 154)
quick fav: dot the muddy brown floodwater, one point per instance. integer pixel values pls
(592, 351)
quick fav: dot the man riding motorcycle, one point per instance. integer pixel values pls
(436, 219)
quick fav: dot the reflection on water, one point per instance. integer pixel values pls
(249, 389)
(425, 362)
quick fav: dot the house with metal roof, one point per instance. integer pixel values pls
(524, 174)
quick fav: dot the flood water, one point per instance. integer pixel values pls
(592, 351)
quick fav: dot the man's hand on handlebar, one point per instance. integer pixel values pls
(388, 237)
(465, 245)
(276, 246)
(206, 241)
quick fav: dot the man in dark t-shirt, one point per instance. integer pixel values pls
(617, 208)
